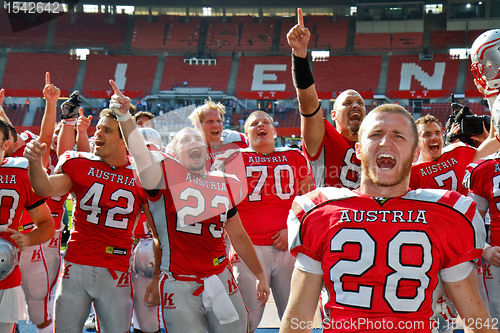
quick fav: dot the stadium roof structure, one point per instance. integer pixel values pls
(246, 3)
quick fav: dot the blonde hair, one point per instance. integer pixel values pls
(196, 116)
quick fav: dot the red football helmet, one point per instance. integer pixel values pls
(485, 57)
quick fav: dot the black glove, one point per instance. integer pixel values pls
(69, 109)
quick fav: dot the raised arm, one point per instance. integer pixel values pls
(149, 170)
(82, 137)
(3, 115)
(43, 184)
(312, 126)
(51, 94)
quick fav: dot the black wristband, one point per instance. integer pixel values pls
(301, 72)
(312, 114)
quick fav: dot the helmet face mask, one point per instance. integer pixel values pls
(8, 258)
(485, 57)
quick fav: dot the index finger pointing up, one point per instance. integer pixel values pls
(115, 88)
(300, 18)
(47, 78)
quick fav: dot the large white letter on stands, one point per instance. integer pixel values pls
(259, 76)
(120, 77)
(434, 82)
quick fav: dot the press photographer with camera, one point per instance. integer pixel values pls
(467, 127)
(441, 166)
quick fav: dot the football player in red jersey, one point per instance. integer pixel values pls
(274, 177)
(330, 149)
(483, 179)
(16, 196)
(379, 250)
(107, 202)
(192, 211)
(444, 167)
(209, 120)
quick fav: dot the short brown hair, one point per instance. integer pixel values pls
(143, 114)
(427, 119)
(391, 108)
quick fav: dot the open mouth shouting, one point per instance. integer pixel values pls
(386, 161)
(261, 132)
(355, 116)
(434, 148)
(195, 153)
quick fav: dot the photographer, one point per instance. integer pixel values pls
(444, 168)
(467, 127)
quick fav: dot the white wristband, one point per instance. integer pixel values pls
(121, 117)
(68, 121)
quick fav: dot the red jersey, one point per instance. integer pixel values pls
(27, 136)
(55, 204)
(380, 257)
(273, 182)
(336, 163)
(447, 172)
(189, 213)
(483, 181)
(230, 140)
(15, 196)
(107, 202)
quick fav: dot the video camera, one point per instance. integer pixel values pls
(470, 124)
(69, 109)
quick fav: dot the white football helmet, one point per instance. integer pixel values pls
(151, 136)
(143, 261)
(485, 57)
(495, 113)
(8, 258)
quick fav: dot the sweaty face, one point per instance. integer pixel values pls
(107, 138)
(386, 150)
(430, 141)
(349, 112)
(211, 126)
(191, 152)
(260, 132)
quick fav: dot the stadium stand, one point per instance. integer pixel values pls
(372, 41)
(273, 74)
(342, 72)
(441, 39)
(33, 37)
(177, 73)
(149, 33)
(90, 30)
(255, 36)
(407, 72)
(182, 35)
(134, 74)
(25, 73)
(222, 36)
(407, 40)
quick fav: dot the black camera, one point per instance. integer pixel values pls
(70, 107)
(470, 124)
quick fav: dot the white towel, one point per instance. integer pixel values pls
(215, 297)
(12, 305)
